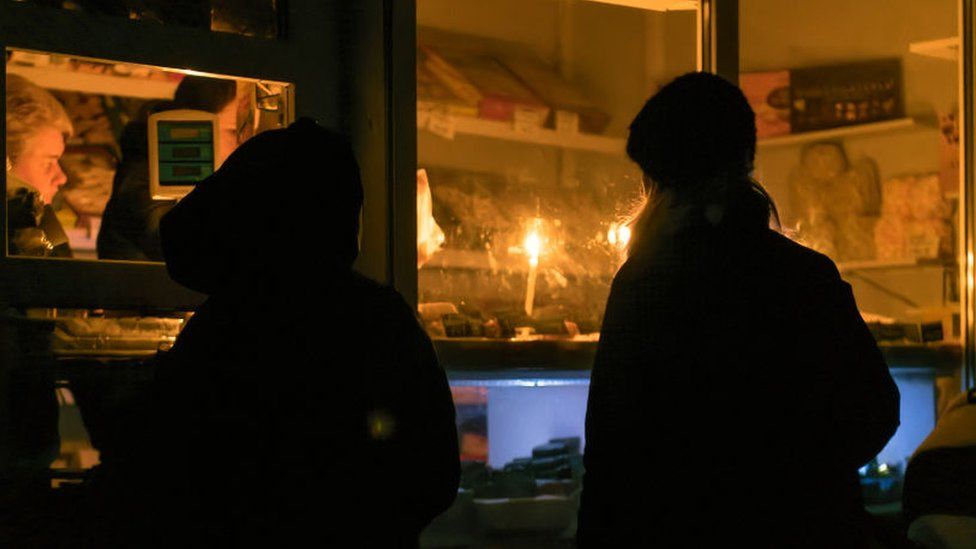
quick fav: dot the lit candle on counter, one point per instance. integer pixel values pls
(533, 247)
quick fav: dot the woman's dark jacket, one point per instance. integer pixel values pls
(735, 393)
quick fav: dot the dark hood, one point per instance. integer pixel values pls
(285, 199)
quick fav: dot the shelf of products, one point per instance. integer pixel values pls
(449, 126)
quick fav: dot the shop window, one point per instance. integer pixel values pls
(78, 149)
(525, 191)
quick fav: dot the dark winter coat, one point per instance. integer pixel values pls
(735, 393)
(303, 403)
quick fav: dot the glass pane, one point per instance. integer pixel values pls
(259, 18)
(79, 149)
(859, 147)
(524, 184)
(523, 194)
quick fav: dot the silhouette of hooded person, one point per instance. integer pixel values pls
(736, 389)
(302, 401)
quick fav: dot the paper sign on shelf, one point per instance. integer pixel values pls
(441, 123)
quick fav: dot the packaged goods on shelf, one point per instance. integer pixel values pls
(916, 219)
(847, 94)
(907, 332)
(432, 93)
(528, 494)
(480, 78)
(563, 97)
(836, 202)
(769, 95)
(498, 80)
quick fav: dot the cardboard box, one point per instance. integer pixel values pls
(845, 95)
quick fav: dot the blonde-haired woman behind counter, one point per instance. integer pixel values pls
(36, 128)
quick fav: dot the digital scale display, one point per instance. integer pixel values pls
(185, 144)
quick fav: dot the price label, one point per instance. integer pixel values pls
(528, 119)
(441, 123)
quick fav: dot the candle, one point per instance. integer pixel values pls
(533, 247)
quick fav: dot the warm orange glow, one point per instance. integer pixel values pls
(533, 246)
(623, 235)
(618, 235)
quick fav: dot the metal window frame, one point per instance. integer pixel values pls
(967, 110)
(718, 38)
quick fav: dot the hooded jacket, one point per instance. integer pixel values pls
(302, 400)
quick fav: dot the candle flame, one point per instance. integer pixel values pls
(623, 235)
(533, 246)
(618, 235)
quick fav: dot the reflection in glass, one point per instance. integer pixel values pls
(36, 128)
(77, 142)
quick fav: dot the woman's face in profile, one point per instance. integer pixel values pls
(38, 163)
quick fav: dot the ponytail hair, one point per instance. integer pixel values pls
(747, 205)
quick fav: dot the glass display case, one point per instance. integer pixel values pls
(524, 197)
(524, 191)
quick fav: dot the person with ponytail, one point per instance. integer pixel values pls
(736, 390)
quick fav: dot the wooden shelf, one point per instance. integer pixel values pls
(943, 48)
(94, 83)
(452, 126)
(835, 133)
(883, 264)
